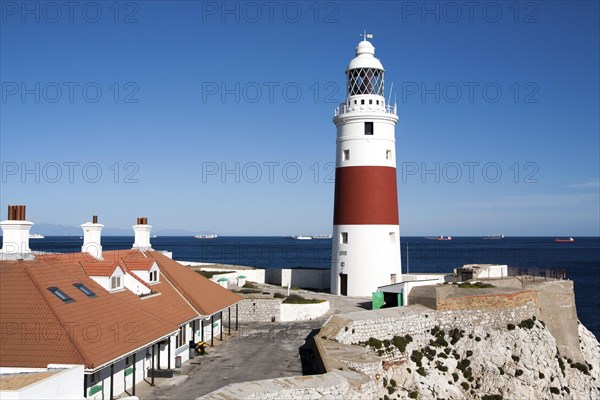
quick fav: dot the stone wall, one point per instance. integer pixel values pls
(416, 321)
(259, 310)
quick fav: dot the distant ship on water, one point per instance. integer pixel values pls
(568, 240)
(36, 236)
(308, 237)
(209, 236)
(493, 237)
(438, 237)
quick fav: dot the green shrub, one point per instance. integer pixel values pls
(442, 355)
(462, 365)
(421, 371)
(561, 364)
(429, 353)
(527, 324)
(413, 395)
(469, 353)
(515, 358)
(393, 383)
(250, 285)
(518, 372)
(391, 389)
(541, 375)
(438, 342)
(380, 352)
(385, 382)
(442, 367)
(581, 367)
(492, 397)
(566, 389)
(278, 295)
(401, 342)
(297, 299)
(476, 285)
(501, 370)
(465, 385)
(511, 327)
(447, 350)
(416, 356)
(376, 343)
(477, 339)
(455, 376)
(455, 335)
(554, 390)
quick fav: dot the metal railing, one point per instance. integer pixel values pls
(344, 108)
(538, 273)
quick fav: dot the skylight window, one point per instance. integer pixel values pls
(61, 295)
(84, 289)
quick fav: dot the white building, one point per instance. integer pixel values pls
(366, 235)
(125, 316)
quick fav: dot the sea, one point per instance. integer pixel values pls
(580, 259)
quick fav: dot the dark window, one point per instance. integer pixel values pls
(368, 128)
(370, 101)
(84, 289)
(60, 294)
(362, 101)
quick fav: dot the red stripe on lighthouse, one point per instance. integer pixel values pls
(365, 195)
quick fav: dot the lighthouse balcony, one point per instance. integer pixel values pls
(345, 108)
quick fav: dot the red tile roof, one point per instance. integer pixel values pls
(99, 268)
(205, 295)
(38, 328)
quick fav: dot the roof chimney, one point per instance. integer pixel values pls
(15, 230)
(142, 234)
(91, 238)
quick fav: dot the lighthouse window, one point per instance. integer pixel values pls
(388, 154)
(368, 128)
(346, 155)
(362, 102)
(344, 237)
(370, 101)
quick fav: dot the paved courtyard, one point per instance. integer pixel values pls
(257, 351)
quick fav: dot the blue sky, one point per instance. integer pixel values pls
(162, 99)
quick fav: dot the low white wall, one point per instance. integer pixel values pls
(300, 277)
(66, 384)
(303, 312)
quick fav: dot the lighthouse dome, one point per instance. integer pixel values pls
(365, 57)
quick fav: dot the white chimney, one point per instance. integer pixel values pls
(15, 232)
(142, 234)
(92, 238)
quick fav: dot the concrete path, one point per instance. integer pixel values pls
(257, 351)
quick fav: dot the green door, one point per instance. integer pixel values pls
(400, 299)
(377, 300)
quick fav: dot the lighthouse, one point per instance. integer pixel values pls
(366, 232)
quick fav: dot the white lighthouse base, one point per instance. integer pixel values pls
(370, 259)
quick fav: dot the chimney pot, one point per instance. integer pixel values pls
(94, 219)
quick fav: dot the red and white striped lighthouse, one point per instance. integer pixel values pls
(366, 234)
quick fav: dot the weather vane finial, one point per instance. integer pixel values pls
(366, 35)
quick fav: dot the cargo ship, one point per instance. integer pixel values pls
(568, 240)
(493, 237)
(209, 236)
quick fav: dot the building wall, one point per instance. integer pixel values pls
(66, 384)
(303, 312)
(307, 278)
(123, 377)
(259, 310)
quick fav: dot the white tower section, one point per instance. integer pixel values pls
(92, 238)
(366, 235)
